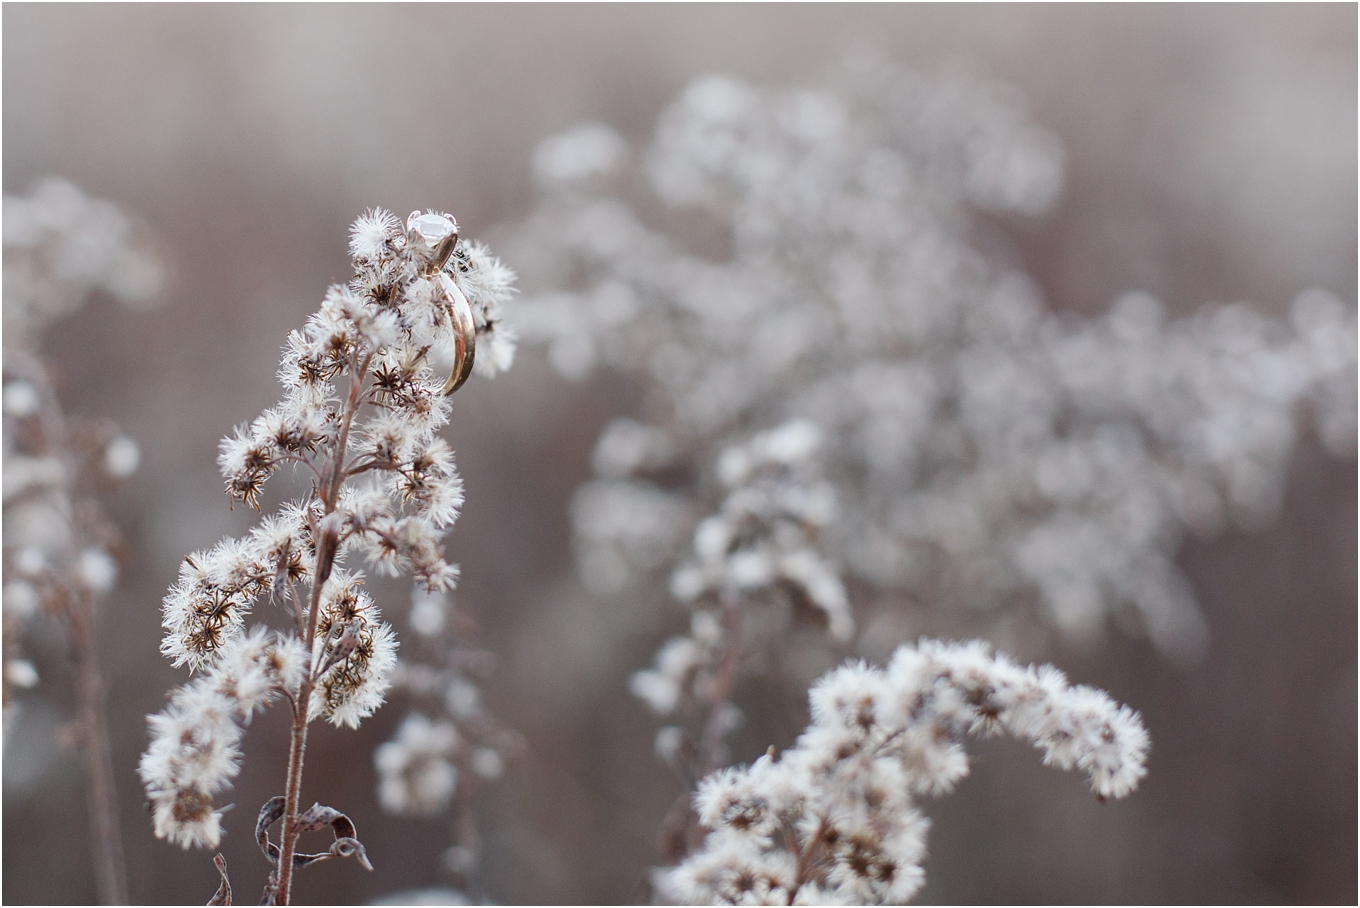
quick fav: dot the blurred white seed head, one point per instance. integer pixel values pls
(427, 612)
(416, 774)
(20, 399)
(60, 245)
(121, 457)
(21, 673)
(584, 151)
(97, 570)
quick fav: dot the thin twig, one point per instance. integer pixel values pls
(105, 836)
(327, 542)
(106, 843)
(710, 739)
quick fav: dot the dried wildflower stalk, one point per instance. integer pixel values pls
(833, 821)
(60, 246)
(360, 415)
(66, 583)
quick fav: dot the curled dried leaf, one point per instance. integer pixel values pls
(271, 890)
(316, 817)
(346, 843)
(269, 815)
(223, 894)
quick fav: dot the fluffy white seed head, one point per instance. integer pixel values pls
(841, 801)
(356, 684)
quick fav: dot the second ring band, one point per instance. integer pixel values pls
(464, 334)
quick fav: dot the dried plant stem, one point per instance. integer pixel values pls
(680, 831)
(711, 751)
(357, 371)
(106, 841)
(297, 747)
(77, 609)
(711, 739)
(808, 856)
(327, 544)
(296, 751)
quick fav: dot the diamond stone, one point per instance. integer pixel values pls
(432, 228)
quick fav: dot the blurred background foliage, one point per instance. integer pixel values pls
(1211, 157)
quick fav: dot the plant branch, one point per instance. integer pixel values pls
(105, 836)
(327, 543)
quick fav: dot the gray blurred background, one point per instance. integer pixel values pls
(1211, 157)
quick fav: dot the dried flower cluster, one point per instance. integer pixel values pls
(194, 750)
(810, 255)
(363, 404)
(62, 247)
(833, 821)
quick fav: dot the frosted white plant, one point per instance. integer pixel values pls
(775, 255)
(362, 408)
(61, 247)
(833, 820)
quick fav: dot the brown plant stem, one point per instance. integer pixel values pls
(106, 840)
(807, 856)
(106, 843)
(711, 738)
(297, 748)
(327, 545)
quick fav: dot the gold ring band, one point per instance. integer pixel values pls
(464, 334)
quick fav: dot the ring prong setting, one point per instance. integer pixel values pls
(437, 234)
